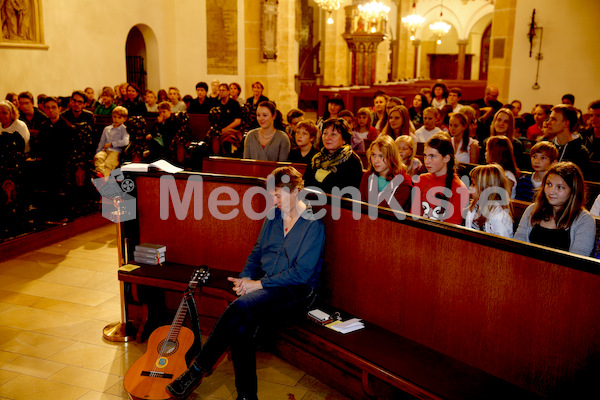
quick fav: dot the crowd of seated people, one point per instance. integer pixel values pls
(52, 152)
(484, 132)
(496, 136)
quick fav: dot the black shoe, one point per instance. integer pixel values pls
(184, 385)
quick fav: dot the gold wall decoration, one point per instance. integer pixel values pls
(221, 34)
(21, 23)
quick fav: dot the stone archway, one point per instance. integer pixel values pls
(141, 53)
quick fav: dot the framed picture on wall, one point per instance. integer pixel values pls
(21, 22)
(269, 29)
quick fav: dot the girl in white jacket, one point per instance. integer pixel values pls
(490, 209)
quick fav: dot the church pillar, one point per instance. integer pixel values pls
(276, 74)
(462, 55)
(503, 28)
(287, 55)
(334, 52)
(416, 43)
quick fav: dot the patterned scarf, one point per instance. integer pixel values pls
(329, 161)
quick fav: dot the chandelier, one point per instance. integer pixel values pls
(413, 21)
(329, 6)
(373, 11)
(440, 28)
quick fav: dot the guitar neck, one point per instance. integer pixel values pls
(178, 321)
(200, 275)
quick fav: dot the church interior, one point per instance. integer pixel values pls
(59, 290)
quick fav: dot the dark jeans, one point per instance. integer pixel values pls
(237, 327)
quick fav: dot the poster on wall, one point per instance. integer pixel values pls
(21, 22)
(221, 37)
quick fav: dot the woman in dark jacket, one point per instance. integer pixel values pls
(336, 165)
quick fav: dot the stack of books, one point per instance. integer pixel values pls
(148, 253)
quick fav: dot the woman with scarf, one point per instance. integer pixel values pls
(336, 165)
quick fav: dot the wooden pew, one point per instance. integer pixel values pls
(357, 97)
(244, 167)
(199, 126)
(450, 312)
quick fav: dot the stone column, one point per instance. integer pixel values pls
(416, 43)
(276, 75)
(462, 55)
(503, 31)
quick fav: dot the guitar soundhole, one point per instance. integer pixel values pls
(167, 347)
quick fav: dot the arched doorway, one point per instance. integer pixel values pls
(135, 55)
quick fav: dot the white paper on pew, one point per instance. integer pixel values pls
(348, 326)
(163, 165)
(134, 167)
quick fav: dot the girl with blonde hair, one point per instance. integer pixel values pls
(489, 187)
(407, 148)
(363, 130)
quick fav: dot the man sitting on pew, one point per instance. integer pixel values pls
(52, 152)
(28, 113)
(592, 134)
(453, 99)
(228, 138)
(562, 125)
(76, 113)
(201, 104)
(280, 278)
(488, 106)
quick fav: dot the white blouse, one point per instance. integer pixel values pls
(499, 222)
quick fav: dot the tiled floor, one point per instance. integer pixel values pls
(54, 303)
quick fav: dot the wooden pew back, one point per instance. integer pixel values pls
(199, 126)
(521, 312)
(357, 97)
(244, 167)
(207, 240)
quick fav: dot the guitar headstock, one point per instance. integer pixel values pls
(200, 276)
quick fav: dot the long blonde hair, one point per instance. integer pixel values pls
(482, 178)
(410, 142)
(510, 133)
(390, 152)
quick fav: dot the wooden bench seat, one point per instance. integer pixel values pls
(386, 365)
(378, 359)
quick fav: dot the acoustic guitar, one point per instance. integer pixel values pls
(164, 359)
